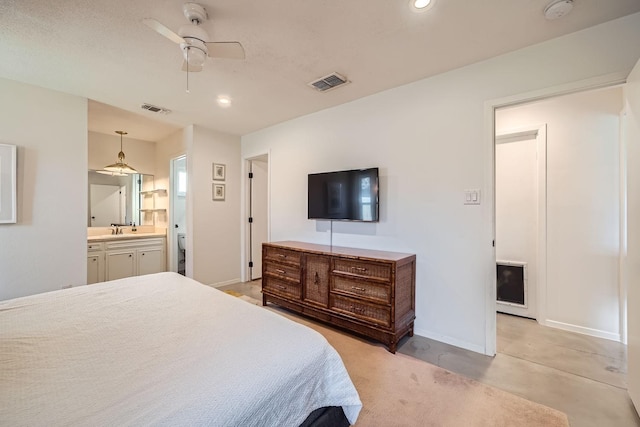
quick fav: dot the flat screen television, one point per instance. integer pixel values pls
(350, 195)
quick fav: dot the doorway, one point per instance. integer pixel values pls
(520, 209)
(257, 230)
(568, 236)
(177, 226)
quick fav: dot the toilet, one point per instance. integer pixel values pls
(181, 253)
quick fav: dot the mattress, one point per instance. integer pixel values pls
(162, 349)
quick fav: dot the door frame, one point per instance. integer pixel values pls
(172, 239)
(489, 186)
(245, 253)
(539, 132)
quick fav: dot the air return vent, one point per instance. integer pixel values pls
(329, 82)
(155, 109)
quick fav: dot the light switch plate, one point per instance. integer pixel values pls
(472, 197)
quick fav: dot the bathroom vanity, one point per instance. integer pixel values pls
(115, 256)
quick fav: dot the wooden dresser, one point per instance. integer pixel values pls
(368, 292)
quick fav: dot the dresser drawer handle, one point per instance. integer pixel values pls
(280, 271)
(356, 309)
(356, 288)
(281, 287)
(282, 256)
(361, 269)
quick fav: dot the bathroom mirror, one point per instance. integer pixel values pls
(116, 199)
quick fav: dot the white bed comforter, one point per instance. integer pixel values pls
(161, 349)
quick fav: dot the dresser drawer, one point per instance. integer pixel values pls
(283, 271)
(270, 284)
(283, 255)
(357, 308)
(363, 268)
(358, 288)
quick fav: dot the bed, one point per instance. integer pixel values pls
(163, 349)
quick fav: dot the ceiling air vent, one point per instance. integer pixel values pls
(155, 109)
(331, 81)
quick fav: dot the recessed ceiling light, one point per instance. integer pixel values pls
(224, 101)
(421, 5)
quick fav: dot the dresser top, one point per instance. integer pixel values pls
(343, 251)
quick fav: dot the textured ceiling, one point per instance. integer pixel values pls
(101, 50)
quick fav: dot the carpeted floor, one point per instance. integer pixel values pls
(398, 390)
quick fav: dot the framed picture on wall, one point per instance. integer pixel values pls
(218, 192)
(8, 184)
(219, 172)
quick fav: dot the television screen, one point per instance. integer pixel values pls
(345, 195)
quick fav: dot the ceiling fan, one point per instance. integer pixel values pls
(193, 39)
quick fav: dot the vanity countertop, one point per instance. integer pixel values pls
(125, 236)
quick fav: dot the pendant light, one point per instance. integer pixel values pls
(120, 167)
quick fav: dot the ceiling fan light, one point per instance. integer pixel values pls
(194, 56)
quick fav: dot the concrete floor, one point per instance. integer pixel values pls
(582, 376)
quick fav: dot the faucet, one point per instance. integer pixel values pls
(116, 229)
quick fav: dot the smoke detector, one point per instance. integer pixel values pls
(557, 9)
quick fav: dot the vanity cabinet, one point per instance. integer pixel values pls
(126, 258)
(371, 293)
(120, 264)
(95, 263)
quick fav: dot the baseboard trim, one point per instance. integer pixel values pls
(451, 341)
(226, 282)
(583, 330)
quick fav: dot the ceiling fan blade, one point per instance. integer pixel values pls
(192, 68)
(228, 50)
(161, 29)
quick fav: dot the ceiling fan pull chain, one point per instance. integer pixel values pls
(188, 49)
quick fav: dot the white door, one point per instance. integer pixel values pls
(632, 141)
(517, 226)
(258, 213)
(105, 205)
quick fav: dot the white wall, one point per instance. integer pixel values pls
(583, 207)
(47, 248)
(104, 149)
(213, 227)
(428, 138)
(632, 140)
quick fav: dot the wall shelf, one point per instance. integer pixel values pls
(160, 191)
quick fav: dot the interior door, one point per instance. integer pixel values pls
(258, 208)
(517, 223)
(632, 141)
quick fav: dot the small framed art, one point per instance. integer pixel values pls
(8, 184)
(218, 192)
(219, 171)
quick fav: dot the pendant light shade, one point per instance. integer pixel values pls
(120, 167)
